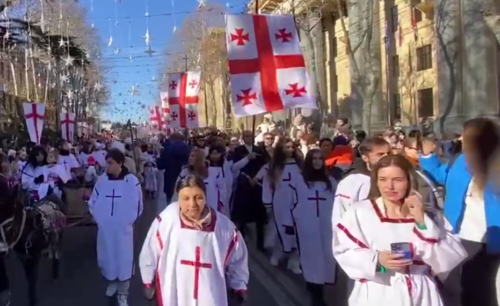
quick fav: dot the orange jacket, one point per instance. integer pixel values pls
(340, 155)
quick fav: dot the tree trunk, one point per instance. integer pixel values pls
(35, 85)
(26, 74)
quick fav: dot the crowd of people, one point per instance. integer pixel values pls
(409, 218)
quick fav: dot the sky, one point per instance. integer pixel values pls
(130, 67)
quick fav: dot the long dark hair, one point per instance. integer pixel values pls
(32, 157)
(315, 175)
(278, 161)
(220, 149)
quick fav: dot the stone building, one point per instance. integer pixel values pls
(437, 59)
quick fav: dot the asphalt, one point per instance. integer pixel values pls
(81, 284)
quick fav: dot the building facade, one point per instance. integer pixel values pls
(438, 60)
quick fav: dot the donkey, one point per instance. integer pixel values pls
(24, 231)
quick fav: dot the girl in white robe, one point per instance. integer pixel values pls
(150, 175)
(216, 158)
(216, 186)
(278, 192)
(391, 246)
(192, 254)
(312, 215)
(32, 172)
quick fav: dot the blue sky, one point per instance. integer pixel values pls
(128, 37)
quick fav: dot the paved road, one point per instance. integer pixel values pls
(81, 283)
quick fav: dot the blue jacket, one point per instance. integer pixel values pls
(456, 180)
(174, 156)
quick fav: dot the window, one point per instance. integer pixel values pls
(417, 14)
(394, 19)
(397, 106)
(395, 66)
(425, 103)
(424, 58)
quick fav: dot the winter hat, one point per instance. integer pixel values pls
(91, 161)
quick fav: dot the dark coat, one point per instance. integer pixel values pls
(174, 156)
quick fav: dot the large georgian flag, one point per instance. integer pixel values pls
(183, 99)
(266, 64)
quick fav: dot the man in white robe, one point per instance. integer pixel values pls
(355, 185)
(190, 267)
(116, 203)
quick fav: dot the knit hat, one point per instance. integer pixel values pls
(91, 161)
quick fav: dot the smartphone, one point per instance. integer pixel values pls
(402, 248)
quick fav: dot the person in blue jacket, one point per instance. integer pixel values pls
(174, 156)
(472, 206)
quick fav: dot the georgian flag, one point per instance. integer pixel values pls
(266, 64)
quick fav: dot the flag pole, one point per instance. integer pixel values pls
(254, 117)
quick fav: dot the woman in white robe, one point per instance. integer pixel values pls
(192, 254)
(216, 158)
(312, 216)
(216, 186)
(278, 193)
(391, 246)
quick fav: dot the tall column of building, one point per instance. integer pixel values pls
(478, 70)
(368, 61)
(448, 35)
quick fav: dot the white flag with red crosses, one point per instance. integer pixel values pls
(268, 71)
(183, 99)
(156, 117)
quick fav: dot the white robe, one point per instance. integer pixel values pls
(365, 230)
(312, 216)
(191, 267)
(116, 205)
(150, 176)
(100, 157)
(68, 162)
(28, 176)
(52, 175)
(282, 200)
(351, 189)
(216, 189)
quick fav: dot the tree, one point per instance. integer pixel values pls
(363, 51)
(199, 44)
(46, 34)
(490, 9)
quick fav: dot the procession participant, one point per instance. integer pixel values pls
(66, 159)
(84, 154)
(115, 235)
(21, 162)
(215, 183)
(355, 185)
(247, 206)
(150, 178)
(192, 253)
(54, 174)
(312, 218)
(216, 158)
(473, 209)
(174, 156)
(390, 246)
(280, 195)
(32, 173)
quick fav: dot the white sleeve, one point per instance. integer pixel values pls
(237, 264)
(236, 168)
(95, 195)
(150, 254)
(139, 198)
(438, 246)
(352, 251)
(27, 178)
(267, 192)
(343, 200)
